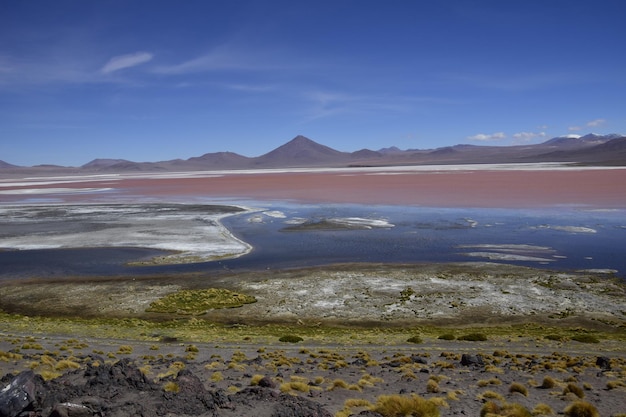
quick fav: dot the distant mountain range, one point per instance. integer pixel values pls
(302, 152)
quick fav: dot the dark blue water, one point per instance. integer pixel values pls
(575, 239)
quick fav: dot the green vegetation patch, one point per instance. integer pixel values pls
(199, 301)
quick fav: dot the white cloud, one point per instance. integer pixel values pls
(596, 123)
(226, 57)
(482, 137)
(528, 136)
(126, 61)
(574, 128)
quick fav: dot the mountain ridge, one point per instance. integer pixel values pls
(304, 152)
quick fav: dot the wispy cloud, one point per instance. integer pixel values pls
(592, 123)
(249, 88)
(482, 137)
(523, 137)
(224, 57)
(126, 61)
(596, 123)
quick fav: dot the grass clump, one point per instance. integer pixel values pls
(125, 349)
(171, 386)
(492, 409)
(414, 339)
(65, 364)
(399, 405)
(581, 409)
(473, 337)
(290, 338)
(432, 386)
(447, 336)
(199, 301)
(586, 338)
(9, 356)
(542, 409)
(519, 388)
(300, 386)
(548, 383)
(574, 389)
(492, 381)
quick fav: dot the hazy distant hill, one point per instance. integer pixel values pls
(4, 165)
(590, 149)
(301, 151)
(103, 163)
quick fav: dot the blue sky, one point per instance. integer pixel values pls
(157, 80)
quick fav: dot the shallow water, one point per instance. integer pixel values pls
(564, 238)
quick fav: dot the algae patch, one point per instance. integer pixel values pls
(199, 301)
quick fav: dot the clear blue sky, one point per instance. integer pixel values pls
(155, 80)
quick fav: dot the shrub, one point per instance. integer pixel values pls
(338, 383)
(356, 402)
(555, 337)
(491, 381)
(519, 388)
(508, 409)
(290, 338)
(432, 386)
(256, 379)
(294, 386)
(217, 376)
(414, 339)
(581, 409)
(586, 338)
(447, 336)
(542, 409)
(473, 337)
(171, 386)
(192, 348)
(614, 384)
(548, 382)
(66, 364)
(199, 301)
(398, 405)
(491, 395)
(489, 408)
(125, 349)
(575, 389)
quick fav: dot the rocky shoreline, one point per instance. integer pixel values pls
(97, 377)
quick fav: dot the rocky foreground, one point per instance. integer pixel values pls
(431, 377)
(368, 340)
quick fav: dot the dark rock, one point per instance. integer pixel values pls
(359, 362)
(472, 360)
(256, 361)
(122, 374)
(419, 359)
(603, 363)
(269, 403)
(71, 410)
(267, 382)
(191, 398)
(19, 396)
